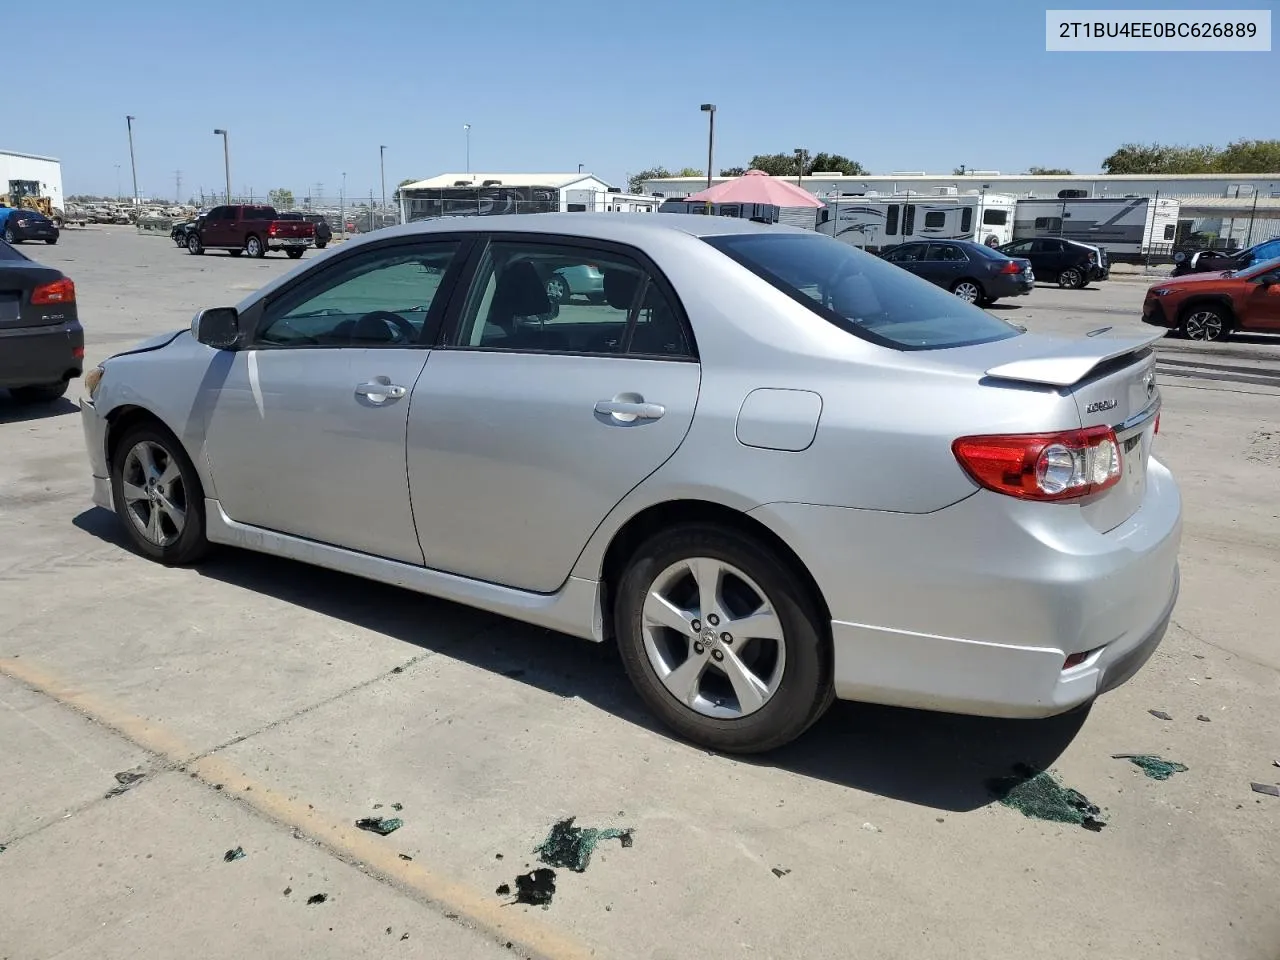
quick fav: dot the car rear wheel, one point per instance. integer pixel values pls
(968, 290)
(1071, 279)
(158, 495)
(294, 254)
(194, 246)
(722, 640)
(9, 236)
(321, 244)
(51, 241)
(254, 248)
(1205, 323)
(39, 392)
(558, 289)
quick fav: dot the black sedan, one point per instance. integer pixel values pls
(17, 225)
(973, 272)
(41, 340)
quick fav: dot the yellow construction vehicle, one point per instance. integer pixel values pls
(22, 195)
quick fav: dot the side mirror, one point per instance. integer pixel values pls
(217, 327)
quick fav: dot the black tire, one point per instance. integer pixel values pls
(191, 545)
(1207, 323)
(52, 242)
(235, 253)
(40, 392)
(1072, 278)
(254, 246)
(294, 253)
(9, 236)
(805, 689)
(194, 246)
(321, 244)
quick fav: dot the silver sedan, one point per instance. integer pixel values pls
(773, 469)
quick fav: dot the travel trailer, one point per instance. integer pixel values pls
(1122, 225)
(876, 223)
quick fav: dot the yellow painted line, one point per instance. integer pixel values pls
(339, 837)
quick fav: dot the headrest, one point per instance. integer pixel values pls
(620, 287)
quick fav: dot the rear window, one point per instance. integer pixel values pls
(8, 253)
(259, 213)
(862, 294)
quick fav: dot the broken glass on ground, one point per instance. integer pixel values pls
(571, 847)
(1036, 794)
(236, 854)
(125, 780)
(536, 888)
(1157, 768)
(380, 825)
(317, 898)
(1270, 789)
(1159, 714)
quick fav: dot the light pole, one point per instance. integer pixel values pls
(226, 160)
(117, 183)
(710, 110)
(466, 129)
(132, 162)
(382, 165)
(342, 204)
(801, 154)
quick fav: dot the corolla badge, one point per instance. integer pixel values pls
(1100, 405)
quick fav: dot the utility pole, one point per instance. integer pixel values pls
(466, 129)
(129, 120)
(382, 167)
(226, 160)
(710, 110)
(177, 186)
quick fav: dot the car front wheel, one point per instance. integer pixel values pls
(158, 495)
(722, 640)
(1205, 323)
(194, 246)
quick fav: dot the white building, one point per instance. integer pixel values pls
(23, 174)
(487, 194)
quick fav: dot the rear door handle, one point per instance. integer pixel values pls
(380, 390)
(628, 411)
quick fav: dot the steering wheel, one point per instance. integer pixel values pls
(408, 332)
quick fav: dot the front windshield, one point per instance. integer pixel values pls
(862, 294)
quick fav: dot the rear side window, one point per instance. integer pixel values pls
(908, 219)
(862, 294)
(891, 221)
(995, 218)
(966, 220)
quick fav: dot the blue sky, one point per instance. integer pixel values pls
(310, 89)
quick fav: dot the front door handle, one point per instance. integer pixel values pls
(629, 411)
(380, 389)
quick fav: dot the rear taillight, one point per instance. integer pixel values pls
(1157, 426)
(60, 291)
(1043, 466)
(271, 230)
(1013, 266)
(1093, 258)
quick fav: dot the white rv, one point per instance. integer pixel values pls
(1122, 225)
(876, 222)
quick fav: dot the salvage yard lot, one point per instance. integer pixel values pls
(269, 705)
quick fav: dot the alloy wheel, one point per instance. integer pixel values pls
(713, 638)
(966, 291)
(1069, 278)
(558, 289)
(1204, 325)
(154, 494)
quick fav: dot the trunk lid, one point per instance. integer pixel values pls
(295, 229)
(17, 280)
(1113, 383)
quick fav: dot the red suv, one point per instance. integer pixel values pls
(1209, 306)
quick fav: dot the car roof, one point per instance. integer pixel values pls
(620, 227)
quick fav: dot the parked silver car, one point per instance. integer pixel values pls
(775, 469)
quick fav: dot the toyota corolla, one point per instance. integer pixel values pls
(774, 470)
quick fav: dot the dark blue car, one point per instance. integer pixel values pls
(18, 224)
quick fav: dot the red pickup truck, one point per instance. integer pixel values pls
(244, 228)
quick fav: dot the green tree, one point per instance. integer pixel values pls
(1156, 158)
(1250, 156)
(1049, 172)
(691, 172)
(835, 163)
(281, 198)
(775, 164)
(733, 171)
(636, 181)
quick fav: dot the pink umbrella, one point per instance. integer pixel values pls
(756, 186)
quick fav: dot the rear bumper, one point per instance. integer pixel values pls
(974, 608)
(1009, 286)
(290, 243)
(39, 355)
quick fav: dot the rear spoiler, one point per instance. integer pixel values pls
(1073, 361)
